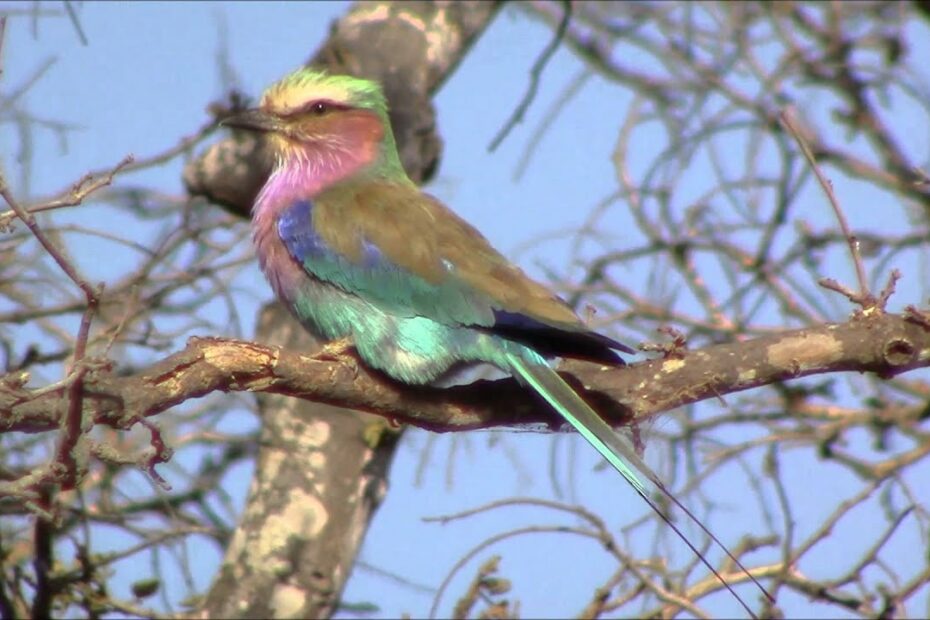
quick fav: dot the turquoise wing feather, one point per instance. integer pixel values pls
(415, 305)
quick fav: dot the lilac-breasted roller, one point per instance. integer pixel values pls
(358, 252)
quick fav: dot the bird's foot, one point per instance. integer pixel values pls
(339, 351)
(336, 350)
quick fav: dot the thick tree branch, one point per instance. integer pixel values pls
(887, 344)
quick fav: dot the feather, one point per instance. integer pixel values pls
(356, 250)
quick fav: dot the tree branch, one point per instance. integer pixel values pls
(888, 344)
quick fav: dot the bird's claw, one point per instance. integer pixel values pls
(339, 351)
(336, 350)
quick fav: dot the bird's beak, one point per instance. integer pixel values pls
(254, 119)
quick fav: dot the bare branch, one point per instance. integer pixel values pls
(535, 74)
(788, 120)
(887, 345)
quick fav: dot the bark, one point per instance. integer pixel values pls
(886, 344)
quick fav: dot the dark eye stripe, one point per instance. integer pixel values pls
(317, 107)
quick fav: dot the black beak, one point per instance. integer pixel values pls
(253, 119)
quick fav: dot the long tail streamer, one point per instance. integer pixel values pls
(619, 452)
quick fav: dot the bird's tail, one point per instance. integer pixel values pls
(616, 449)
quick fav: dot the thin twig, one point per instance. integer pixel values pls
(2, 37)
(72, 15)
(787, 118)
(549, 117)
(81, 190)
(160, 453)
(65, 467)
(916, 315)
(535, 74)
(888, 291)
(42, 563)
(842, 289)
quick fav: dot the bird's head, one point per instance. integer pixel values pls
(324, 121)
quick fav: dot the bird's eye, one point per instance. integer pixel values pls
(319, 108)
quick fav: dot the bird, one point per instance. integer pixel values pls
(360, 255)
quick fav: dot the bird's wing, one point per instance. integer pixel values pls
(406, 251)
(345, 258)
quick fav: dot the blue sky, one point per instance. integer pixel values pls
(145, 79)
